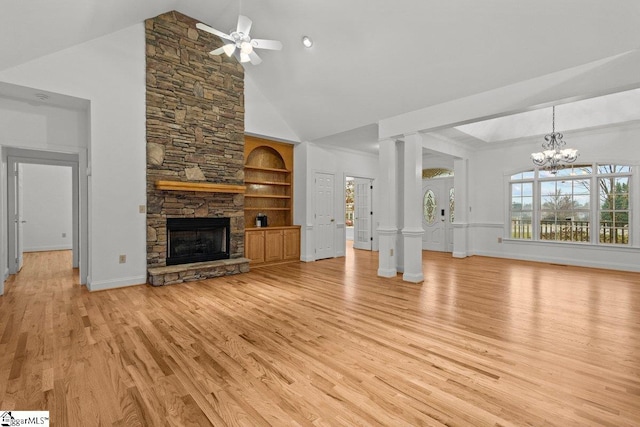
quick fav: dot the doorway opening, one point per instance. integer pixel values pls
(44, 211)
(46, 207)
(438, 212)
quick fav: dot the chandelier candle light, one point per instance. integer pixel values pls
(553, 154)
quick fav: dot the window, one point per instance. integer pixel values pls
(564, 210)
(429, 206)
(521, 209)
(452, 205)
(613, 204)
(581, 203)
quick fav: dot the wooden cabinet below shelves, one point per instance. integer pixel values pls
(271, 245)
(254, 246)
(291, 244)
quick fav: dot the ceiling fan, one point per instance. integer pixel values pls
(240, 43)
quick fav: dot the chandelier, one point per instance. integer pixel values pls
(553, 154)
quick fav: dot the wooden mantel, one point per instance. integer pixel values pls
(199, 186)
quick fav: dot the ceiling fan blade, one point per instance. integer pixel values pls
(266, 44)
(218, 51)
(254, 58)
(208, 29)
(229, 48)
(244, 25)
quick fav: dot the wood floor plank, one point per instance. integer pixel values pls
(482, 342)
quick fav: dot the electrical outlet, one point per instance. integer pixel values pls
(123, 259)
(142, 208)
(499, 239)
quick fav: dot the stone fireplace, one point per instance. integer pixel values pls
(195, 146)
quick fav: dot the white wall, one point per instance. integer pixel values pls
(42, 127)
(489, 199)
(261, 118)
(110, 73)
(47, 207)
(310, 159)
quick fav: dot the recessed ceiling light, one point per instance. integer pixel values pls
(307, 42)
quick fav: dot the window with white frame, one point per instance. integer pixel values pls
(580, 203)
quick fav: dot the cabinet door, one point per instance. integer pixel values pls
(291, 240)
(272, 245)
(254, 246)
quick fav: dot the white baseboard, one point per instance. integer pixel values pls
(48, 248)
(113, 284)
(564, 261)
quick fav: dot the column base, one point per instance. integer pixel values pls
(387, 250)
(412, 255)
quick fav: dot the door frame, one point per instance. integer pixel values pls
(80, 220)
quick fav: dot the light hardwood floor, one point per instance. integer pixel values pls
(481, 342)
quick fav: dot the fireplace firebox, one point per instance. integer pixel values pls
(197, 239)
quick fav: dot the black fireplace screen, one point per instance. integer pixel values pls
(197, 239)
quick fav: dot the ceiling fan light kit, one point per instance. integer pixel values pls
(307, 42)
(239, 43)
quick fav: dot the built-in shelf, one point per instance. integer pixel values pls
(261, 168)
(267, 196)
(267, 183)
(268, 175)
(200, 186)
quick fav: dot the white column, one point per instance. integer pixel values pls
(387, 228)
(412, 229)
(461, 221)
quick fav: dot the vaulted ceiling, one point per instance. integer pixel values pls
(371, 59)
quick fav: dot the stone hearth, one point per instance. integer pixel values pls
(169, 275)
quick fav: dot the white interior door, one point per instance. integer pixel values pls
(324, 225)
(434, 215)
(362, 236)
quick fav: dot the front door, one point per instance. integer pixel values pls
(324, 224)
(437, 206)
